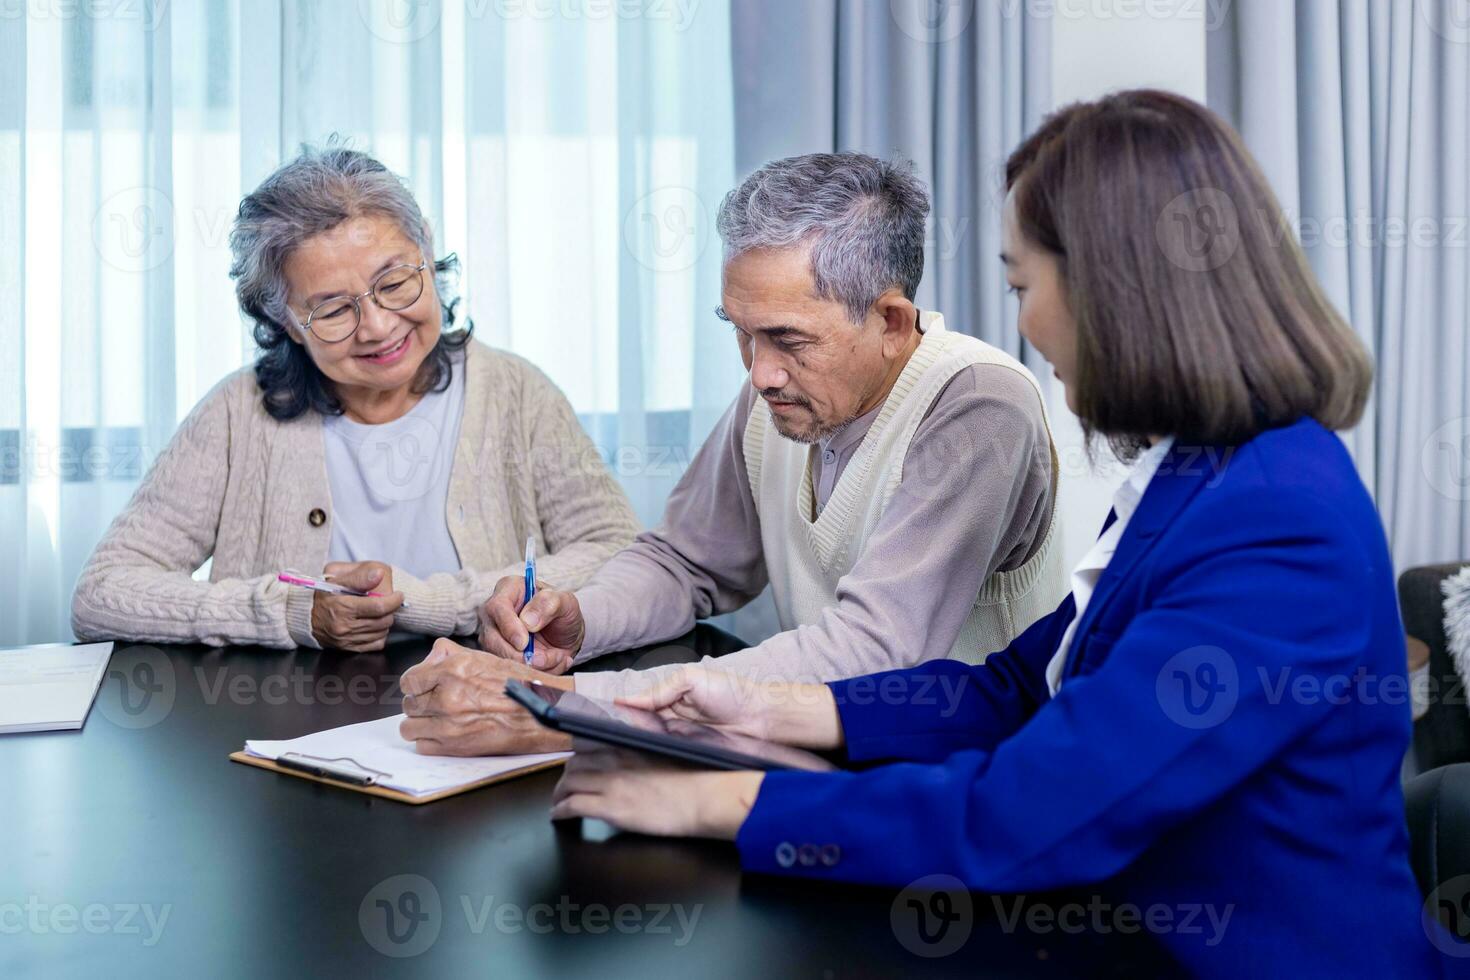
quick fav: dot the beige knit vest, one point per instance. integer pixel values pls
(806, 558)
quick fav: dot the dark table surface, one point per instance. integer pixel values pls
(134, 848)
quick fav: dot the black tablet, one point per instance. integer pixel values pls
(614, 724)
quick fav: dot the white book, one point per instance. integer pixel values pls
(50, 688)
(375, 749)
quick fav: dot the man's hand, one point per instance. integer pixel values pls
(636, 792)
(355, 623)
(555, 618)
(456, 705)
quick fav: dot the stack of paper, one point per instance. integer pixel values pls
(50, 688)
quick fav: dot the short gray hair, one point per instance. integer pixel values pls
(863, 219)
(311, 194)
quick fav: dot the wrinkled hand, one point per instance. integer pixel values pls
(803, 715)
(555, 617)
(456, 705)
(636, 792)
(355, 623)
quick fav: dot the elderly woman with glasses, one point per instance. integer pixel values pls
(372, 445)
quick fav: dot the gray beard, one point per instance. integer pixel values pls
(810, 437)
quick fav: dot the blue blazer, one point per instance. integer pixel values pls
(1228, 736)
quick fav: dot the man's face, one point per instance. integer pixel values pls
(815, 368)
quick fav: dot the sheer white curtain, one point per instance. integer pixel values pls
(572, 154)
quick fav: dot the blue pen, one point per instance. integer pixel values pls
(530, 593)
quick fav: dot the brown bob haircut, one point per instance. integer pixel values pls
(1197, 314)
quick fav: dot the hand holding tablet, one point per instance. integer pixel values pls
(646, 731)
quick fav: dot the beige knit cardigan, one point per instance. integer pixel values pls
(251, 492)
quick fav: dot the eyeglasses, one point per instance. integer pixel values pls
(334, 320)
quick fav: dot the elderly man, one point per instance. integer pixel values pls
(891, 481)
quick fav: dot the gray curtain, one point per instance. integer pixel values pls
(1357, 110)
(953, 86)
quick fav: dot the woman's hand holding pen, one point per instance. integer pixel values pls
(356, 623)
(507, 622)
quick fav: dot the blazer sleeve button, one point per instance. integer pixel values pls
(831, 854)
(317, 517)
(807, 855)
(785, 854)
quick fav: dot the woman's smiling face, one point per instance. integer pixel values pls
(389, 346)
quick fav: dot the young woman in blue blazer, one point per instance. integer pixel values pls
(1217, 715)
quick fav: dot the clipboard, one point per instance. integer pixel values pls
(372, 758)
(385, 792)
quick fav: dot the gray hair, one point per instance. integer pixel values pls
(311, 194)
(863, 219)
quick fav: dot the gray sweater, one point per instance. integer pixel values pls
(976, 497)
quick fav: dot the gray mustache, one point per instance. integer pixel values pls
(776, 396)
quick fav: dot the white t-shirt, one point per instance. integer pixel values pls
(390, 484)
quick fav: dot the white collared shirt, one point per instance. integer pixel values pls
(1090, 568)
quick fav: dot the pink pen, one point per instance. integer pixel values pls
(291, 578)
